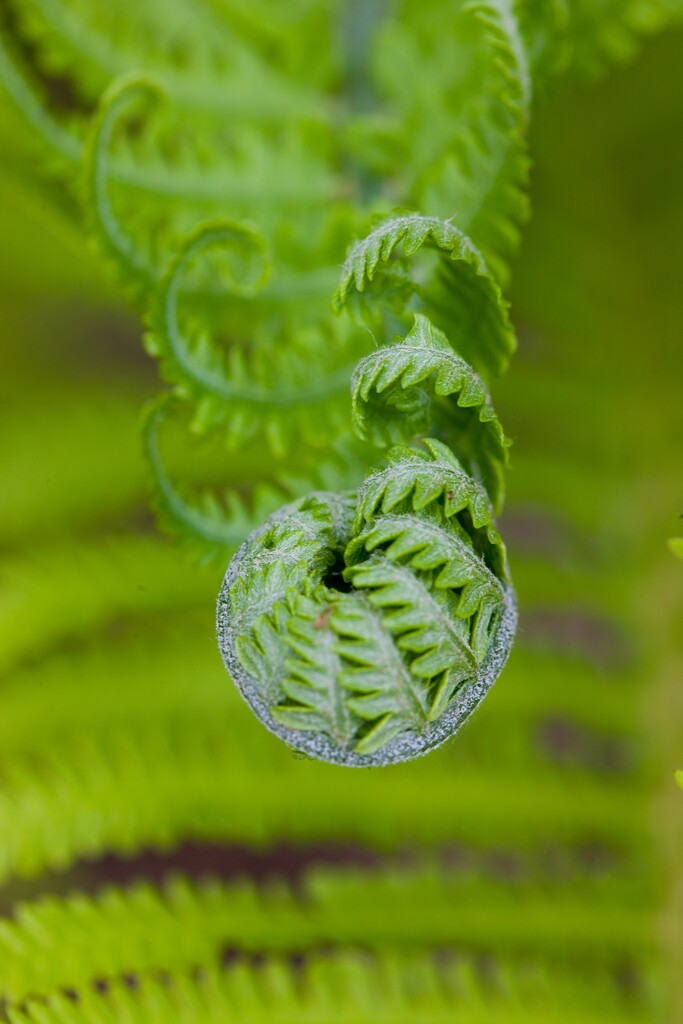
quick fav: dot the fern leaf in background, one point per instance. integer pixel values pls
(163, 857)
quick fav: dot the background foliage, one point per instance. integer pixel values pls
(162, 856)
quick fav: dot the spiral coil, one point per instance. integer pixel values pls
(364, 628)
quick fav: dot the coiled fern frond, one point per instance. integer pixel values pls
(237, 314)
(365, 628)
(230, 286)
(226, 168)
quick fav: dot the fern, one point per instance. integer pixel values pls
(245, 397)
(310, 675)
(185, 924)
(350, 984)
(463, 297)
(425, 477)
(222, 156)
(390, 405)
(163, 762)
(400, 698)
(411, 261)
(204, 522)
(124, 767)
(224, 389)
(209, 519)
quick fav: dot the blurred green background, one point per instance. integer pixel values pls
(542, 851)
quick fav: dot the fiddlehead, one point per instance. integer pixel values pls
(240, 357)
(364, 628)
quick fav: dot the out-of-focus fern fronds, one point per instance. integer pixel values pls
(212, 520)
(610, 31)
(587, 36)
(53, 593)
(211, 66)
(349, 987)
(63, 817)
(465, 123)
(55, 944)
(268, 393)
(113, 777)
(159, 157)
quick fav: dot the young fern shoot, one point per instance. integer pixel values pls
(365, 627)
(365, 620)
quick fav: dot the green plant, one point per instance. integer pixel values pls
(132, 745)
(351, 144)
(239, 321)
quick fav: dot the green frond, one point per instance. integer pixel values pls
(411, 231)
(423, 478)
(117, 682)
(179, 181)
(264, 651)
(482, 182)
(404, 687)
(296, 545)
(280, 579)
(471, 164)
(134, 267)
(267, 393)
(143, 195)
(230, 150)
(392, 402)
(217, 776)
(58, 943)
(501, 19)
(312, 672)
(426, 542)
(351, 987)
(209, 525)
(385, 692)
(122, 681)
(96, 47)
(220, 497)
(461, 296)
(456, 132)
(424, 618)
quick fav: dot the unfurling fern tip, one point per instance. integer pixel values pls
(364, 628)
